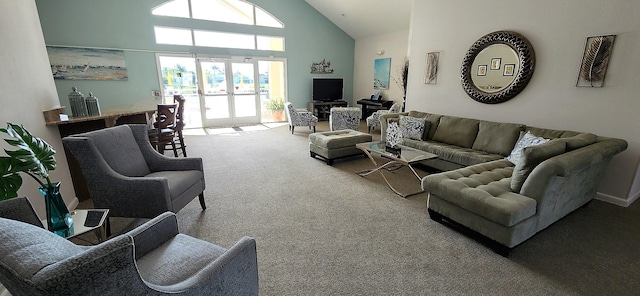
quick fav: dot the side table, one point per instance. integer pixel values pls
(79, 217)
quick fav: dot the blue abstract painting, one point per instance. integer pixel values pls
(381, 69)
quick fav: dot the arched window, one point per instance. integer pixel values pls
(228, 11)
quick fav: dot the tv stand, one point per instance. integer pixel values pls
(322, 109)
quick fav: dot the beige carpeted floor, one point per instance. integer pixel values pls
(323, 230)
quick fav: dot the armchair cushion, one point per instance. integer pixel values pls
(177, 259)
(178, 181)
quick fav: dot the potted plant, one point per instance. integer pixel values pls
(277, 108)
(36, 158)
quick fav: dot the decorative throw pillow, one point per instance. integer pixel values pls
(394, 135)
(412, 127)
(527, 140)
(531, 157)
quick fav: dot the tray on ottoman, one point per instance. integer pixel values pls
(337, 144)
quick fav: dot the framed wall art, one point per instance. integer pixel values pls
(595, 59)
(508, 69)
(381, 72)
(431, 71)
(482, 70)
(87, 63)
(495, 63)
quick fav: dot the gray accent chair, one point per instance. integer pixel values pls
(152, 259)
(127, 176)
(299, 117)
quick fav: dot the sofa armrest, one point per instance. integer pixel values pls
(384, 123)
(564, 182)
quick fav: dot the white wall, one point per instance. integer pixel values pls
(557, 30)
(395, 47)
(28, 89)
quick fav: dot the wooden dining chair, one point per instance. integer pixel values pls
(164, 134)
(180, 100)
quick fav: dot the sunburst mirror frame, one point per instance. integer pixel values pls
(526, 58)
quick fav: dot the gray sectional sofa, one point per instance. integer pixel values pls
(506, 197)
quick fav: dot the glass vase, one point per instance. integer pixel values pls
(58, 217)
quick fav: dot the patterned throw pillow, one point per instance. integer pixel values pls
(527, 140)
(394, 135)
(412, 127)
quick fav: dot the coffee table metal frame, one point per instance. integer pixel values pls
(398, 157)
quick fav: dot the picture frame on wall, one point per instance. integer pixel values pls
(482, 70)
(595, 60)
(508, 69)
(74, 63)
(431, 70)
(495, 63)
(381, 73)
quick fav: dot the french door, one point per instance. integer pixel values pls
(231, 91)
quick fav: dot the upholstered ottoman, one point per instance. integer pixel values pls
(342, 118)
(337, 144)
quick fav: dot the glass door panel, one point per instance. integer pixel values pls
(244, 93)
(272, 89)
(179, 78)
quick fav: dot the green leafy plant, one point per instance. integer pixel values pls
(34, 157)
(276, 105)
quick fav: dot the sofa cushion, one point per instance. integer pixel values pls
(531, 157)
(433, 119)
(26, 249)
(453, 153)
(497, 137)
(412, 127)
(456, 131)
(528, 139)
(483, 189)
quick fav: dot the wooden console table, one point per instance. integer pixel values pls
(322, 109)
(76, 125)
(369, 106)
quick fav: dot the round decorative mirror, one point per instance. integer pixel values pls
(497, 67)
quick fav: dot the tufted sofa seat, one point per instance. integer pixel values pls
(484, 189)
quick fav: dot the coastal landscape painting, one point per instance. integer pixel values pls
(87, 63)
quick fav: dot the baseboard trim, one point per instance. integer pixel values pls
(616, 200)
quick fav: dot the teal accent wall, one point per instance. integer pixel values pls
(128, 25)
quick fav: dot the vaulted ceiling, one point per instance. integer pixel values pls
(366, 18)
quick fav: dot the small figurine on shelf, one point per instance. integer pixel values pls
(93, 107)
(78, 103)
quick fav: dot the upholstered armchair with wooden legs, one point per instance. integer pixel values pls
(152, 259)
(299, 117)
(127, 176)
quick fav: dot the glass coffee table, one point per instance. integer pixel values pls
(398, 157)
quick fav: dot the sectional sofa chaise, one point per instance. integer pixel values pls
(504, 194)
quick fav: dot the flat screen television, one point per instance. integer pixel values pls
(327, 89)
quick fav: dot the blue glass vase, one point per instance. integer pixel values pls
(58, 217)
